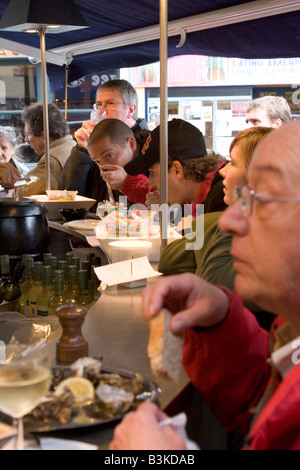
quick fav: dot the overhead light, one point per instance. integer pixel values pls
(34, 16)
(23, 15)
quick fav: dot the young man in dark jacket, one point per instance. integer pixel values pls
(114, 99)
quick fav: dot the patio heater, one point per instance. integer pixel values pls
(34, 16)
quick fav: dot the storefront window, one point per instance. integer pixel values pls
(17, 89)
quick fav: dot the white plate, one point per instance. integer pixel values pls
(83, 225)
(54, 206)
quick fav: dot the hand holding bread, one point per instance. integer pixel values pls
(192, 301)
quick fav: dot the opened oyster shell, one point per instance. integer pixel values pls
(86, 366)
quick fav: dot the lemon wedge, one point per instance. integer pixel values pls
(81, 388)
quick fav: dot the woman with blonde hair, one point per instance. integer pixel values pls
(241, 151)
(210, 256)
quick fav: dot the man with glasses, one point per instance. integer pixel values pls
(249, 378)
(114, 99)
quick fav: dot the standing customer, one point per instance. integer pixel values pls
(61, 144)
(268, 111)
(115, 99)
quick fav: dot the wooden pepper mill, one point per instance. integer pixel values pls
(72, 345)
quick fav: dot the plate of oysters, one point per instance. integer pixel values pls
(87, 394)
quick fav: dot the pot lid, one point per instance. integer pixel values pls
(20, 207)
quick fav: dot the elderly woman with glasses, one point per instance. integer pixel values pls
(9, 173)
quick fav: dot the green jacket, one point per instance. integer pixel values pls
(210, 257)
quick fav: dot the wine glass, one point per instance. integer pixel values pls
(25, 378)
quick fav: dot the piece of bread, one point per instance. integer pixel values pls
(164, 348)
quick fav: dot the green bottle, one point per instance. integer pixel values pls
(5, 274)
(46, 259)
(83, 295)
(25, 286)
(43, 298)
(53, 264)
(68, 257)
(59, 297)
(86, 265)
(75, 260)
(63, 266)
(72, 282)
(12, 289)
(35, 289)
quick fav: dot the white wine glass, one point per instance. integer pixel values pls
(25, 377)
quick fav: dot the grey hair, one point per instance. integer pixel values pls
(127, 91)
(10, 134)
(276, 107)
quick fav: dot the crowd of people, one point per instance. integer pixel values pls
(231, 281)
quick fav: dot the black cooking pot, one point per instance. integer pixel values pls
(23, 228)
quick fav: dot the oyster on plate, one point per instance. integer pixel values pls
(114, 395)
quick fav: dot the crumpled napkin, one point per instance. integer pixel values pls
(178, 422)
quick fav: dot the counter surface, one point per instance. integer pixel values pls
(116, 331)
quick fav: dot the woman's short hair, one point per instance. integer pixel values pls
(249, 138)
(58, 126)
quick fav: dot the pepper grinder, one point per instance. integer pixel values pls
(72, 345)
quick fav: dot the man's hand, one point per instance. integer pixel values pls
(140, 430)
(193, 301)
(82, 134)
(9, 175)
(152, 198)
(114, 175)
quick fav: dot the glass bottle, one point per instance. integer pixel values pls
(96, 261)
(94, 284)
(83, 296)
(5, 267)
(25, 286)
(86, 265)
(12, 289)
(75, 260)
(35, 289)
(5, 274)
(59, 297)
(53, 264)
(68, 257)
(42, 300)
(72, 282)
(63, 266)
(46, 259)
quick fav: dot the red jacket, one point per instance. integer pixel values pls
(136, 188)
(228, 366)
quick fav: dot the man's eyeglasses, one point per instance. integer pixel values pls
(107, 105)
(267, 205)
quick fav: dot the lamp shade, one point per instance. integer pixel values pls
(22, 15)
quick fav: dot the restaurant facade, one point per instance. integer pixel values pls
(210, 92)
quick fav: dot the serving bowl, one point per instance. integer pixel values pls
(73, 214)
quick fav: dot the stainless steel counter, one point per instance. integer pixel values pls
(116, 331)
